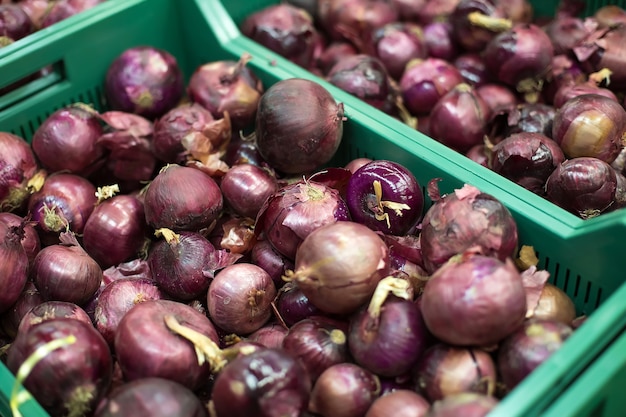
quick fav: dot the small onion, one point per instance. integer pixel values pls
(17, 166)
(15, 24)
(245, 187)
(472, 68)
(555, 304)
(332, 53)
(399, 403)
(354, 20)
(476, 22)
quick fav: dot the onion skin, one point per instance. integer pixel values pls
(271, 335)
(49, 310)
(293, 306)
(555, 304)
(11, 318)
(182, 198)
(31, 242)
(17, 166)
(439, 40)
(354, 20)
(156, 397)
(264, 255)
(14, 267)
(528, 347)
(15, 24)
(604, 48)
(472, 68)
(400, 403)
(146, 347)
(568, 91)
(298, 126)
(337, 256)
(445, 370)
(497, 96)
(590, 125)
(70, 380)
(395, 44)
(466, 405)
(474, 300)
(245, 187)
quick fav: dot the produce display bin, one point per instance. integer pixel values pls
(584, 258)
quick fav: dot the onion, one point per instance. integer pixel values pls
(332, 53)
(293, 306)
(584, 186)
(271, 335)
(531, 118)
(389, 335)
(424, 82)
(445, 370)
(182, 198)
(610, 15)
(439, 40)
(30, 242)
(267, 382)
(17, 166)
(65, 272)
(227, 86)
(344, 390)
(408, 9)
(146, 347)
(11, 318)
(464, 219)
(264, 255)
(472, 67)
(568, 91)
(144, 80)
(436, 10)
(476, 22)
(298, 126)
(239, 298)
(14, 267)
(528, 347)
(497, 97)
(527, 159)
(157, 397)
(385, 196)
(115, 231)
(604, 48)
(117, 298)
(49, 310)
(35, 9)
(590, 125)
(15, 24)
(555, 304)
(242, 150)
(400, 403)
(294, 211)
(478, 154)
(566, 32)
(474, 300)
(63, 9)
(395, 44)
(338, 266)
(245, 187)
(318, 342)
(69, 380)
(466, 405)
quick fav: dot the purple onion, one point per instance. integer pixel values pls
(354, 20)
(30, 242)
(568, 91)
(465, 404)
(15, 24)
(497, 97)
(18, 165)
(439, 40)
(566, 32)
(395, 44)
(245, 188)
(264, 255)
(472, 68)
(271, 335)
(293, 306)
(400, 403)
(476, 22)
(11, 318)
(48, 310)
(63, 9)
(332, 53)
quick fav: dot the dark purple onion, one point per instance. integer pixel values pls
(332, 53)
(14, 267)
(385, 196)
(245, 187)
(400, 403)
(496, 307)
(49, 310)
(146, 347)
(293, 306)
(564, 71)
(472, 68)
(15, 24)
(528, 347)
(30, 242)
(144, 80)
(63, 9)
(466, 405)
(439, 40)
(69, 380)
(531, 118)
(445, 370)
(117, 298)
(267, 382)
(424, 82)
(299, 126)
(476, 22)
(395, 44)
(11, 318)
(264, 255)
(17, 166)
(242, 150)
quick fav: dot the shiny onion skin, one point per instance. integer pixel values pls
(399, 403)
(293, 306)
(395, 44)
(14, 267)
(469, 33)
(245, 187)
(70, 380)
(264, 255)
(182, 198)
(17, 167)
(116, 230)
(298, 126)
(472, 69)
(265, 383)
(154, 397)
(385, 196)
(590, 125)
(466, 405)
(555, 304)
(48, 310)
(144, 80)
(474, 300)
(439, 40)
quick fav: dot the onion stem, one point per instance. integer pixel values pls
(604, 75)
(494, 24)
(35, 183)
(106, 192)
(169, 235)
(379, 209)
(390, 285)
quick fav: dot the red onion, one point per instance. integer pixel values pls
(389, 335)
(344, 390)
(15, 24)
(49, 310)
(117, 298)
(610, 15)
(115, 231)
(385, 196)
(439, 40)
(338, 266)
(472, 67)
(555, 304)
(528, 347)
(146, 347)
(531, 118)
(267, 382)
(584, 186)
(459, 118)
(35, 9)
(245, 187)
(436, 10)
(318, 342)
(144, 80)
(395, 44)
(466, 405)
(271, 335)
(527, 159)
(11, 318)
(474, 300)
(17, 166)
(296, 210)
(332, 53)
(293, 306)
(464, 219)
(69, 380)
(497, 96)
(590, 125)
(298, 126)
(242, 150)
(65, 272)
(354, 20)
(264, 255)
(14, 267)
(604, 48)
(476, 22)
(285, 29)
(408, 9)
(566, 32)
(424, 82)
(400, 403)
(227, 86)
(31, 242)
(156, 397)
(63, 9)
(445, 370)
(182, 198)
(478, 154)
(239, 298)
(568, 91)
(519, 11)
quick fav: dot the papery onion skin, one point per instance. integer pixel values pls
(31, 242)
(474, 300)
(265, 383)
(400, 403)
(182, 198)
(14, 267)
(298, 126)
(565, 32)
(466, 405)
(555, 304)
(48, 310)
(245, 187)
(146, 347)
(17, 166)
(338, 256)
(70, 380)
(590, 125)
(156, 397)
(606, 51)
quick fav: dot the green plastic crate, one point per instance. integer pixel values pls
(584, 259)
